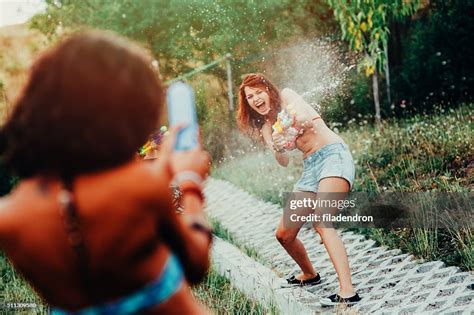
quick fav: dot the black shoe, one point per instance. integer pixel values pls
(335, 299)
(313, 281)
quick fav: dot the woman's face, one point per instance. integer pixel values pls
(258, 99)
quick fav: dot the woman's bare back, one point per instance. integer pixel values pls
(118, 221)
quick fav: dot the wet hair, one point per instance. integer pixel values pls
(248, 119)
(88, 104)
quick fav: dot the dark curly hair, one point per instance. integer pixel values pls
(89, 103)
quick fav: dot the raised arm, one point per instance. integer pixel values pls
(187, 235)
(304, 111)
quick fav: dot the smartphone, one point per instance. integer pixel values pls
(182, 110)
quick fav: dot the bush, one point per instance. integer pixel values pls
(437, 61)
(355, 105)
(431, 64)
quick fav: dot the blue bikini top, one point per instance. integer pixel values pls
(161, 289)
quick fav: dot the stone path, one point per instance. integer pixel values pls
(388, 281)
(259, 282)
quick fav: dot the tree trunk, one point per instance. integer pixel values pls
(387, 79)
(375, 87)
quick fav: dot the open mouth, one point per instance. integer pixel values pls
(261, 107)
(259, 104)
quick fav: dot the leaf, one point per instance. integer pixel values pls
(369, 70)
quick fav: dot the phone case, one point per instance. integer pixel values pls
(182, 110)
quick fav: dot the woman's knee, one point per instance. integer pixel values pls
(324, 231)
(285, 236)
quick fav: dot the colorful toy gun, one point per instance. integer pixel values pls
(153, 142)
(285, 125)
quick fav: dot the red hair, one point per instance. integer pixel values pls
(247, 118)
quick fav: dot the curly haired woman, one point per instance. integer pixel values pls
(92, 228)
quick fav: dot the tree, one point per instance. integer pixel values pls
(364, 24)
(438, 61)
(185, 34)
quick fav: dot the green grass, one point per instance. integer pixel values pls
(13, 289)
(424, 153)
(217, 293)
(259, 174)
(223, 233)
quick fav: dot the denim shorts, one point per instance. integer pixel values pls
(332, 160)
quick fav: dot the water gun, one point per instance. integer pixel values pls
(154, 141)
(286, 125)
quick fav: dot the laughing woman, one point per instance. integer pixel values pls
(328, 168)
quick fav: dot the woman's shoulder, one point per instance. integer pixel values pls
(289, 96)
(15, 211)
(288, 93)
(134, 180)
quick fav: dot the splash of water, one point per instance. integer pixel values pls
(316, 69)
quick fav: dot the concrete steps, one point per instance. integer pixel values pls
(388, 281)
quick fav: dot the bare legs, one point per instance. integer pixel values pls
(338, 255)
(332, 242)
(295, 248)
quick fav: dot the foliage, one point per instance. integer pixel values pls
(14, 289)
(422, 153)
(183, 35)
(353, 105)
(217, 293)
(437, 62)
(364, 24)
(187, 33)
(213, 116)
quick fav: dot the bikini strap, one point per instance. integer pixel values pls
(75, 235)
